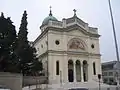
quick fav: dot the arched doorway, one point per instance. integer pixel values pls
(70, 71)
(85, 71)
(78, 71)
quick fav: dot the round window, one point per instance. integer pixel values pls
(92, 46)
(57, 42)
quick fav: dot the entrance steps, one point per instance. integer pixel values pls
(67, 86)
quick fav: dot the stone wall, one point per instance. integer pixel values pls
(33, 80)
(12, 81)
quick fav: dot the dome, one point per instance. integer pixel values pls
(46, 20)
(50, 17)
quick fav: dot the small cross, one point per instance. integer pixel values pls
(74, 12)
(50, 7)
(50, 11)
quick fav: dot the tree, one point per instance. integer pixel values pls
(7, 44)
(25, 52)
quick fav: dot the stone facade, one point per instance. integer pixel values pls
(68, 50)
(12, 81)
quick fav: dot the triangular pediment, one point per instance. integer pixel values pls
(77, 32)
(80, 31)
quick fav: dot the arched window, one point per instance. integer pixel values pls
(85, 71)
(57, 67)
(70, 71)
(94, 68)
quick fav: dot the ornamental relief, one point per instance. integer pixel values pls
(76, 44)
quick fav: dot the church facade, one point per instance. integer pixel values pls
(69, 50)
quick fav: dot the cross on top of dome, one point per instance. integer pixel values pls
(74, 12)
(50, 11)
(50, 17)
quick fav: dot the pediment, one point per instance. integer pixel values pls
(77, 32)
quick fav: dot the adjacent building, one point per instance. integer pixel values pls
(109, 73)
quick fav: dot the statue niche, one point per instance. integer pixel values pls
(76, 44)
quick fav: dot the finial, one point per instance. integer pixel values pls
(74, 12)
(50, 11)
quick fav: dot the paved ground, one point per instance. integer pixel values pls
(90, 86)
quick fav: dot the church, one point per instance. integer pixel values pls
(69, 50)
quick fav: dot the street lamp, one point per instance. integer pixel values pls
(99, 77)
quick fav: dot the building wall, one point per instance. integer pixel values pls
(95, 42)
(64, 38)
(41, 45)
(108, 72)
(33, 80)
(12, 81)
(63, 53)
(63, 60)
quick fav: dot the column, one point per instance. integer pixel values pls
(74, 65)
(82, 73)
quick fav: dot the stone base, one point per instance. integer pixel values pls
(66, 86)
(12, 81)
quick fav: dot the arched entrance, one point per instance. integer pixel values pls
(85, 71)
(70, 71)
(78, 71)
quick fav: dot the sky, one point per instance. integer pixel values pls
(94, 12)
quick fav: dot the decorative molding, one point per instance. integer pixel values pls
(67, 29)
(40, 36)
(68, 53)
(76, 43)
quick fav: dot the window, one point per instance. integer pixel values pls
(105, 74)
(57, 42)
(111, 79)
(110, 73)
(92, 46)
(41, 46)
(57, 67)
(105, 80)
(94, 69)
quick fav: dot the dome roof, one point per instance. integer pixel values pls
(46, 20)
(50, 17)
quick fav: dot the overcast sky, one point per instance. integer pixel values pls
(94, 12)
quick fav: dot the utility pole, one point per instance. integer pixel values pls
(114, 33)
(117, 65)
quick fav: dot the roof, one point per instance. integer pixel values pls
(46, 20)
(107, 63)
(50, 17)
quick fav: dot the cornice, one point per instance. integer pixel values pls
(75, 26)
(68, 53)
(40, 36)
(67, 29)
